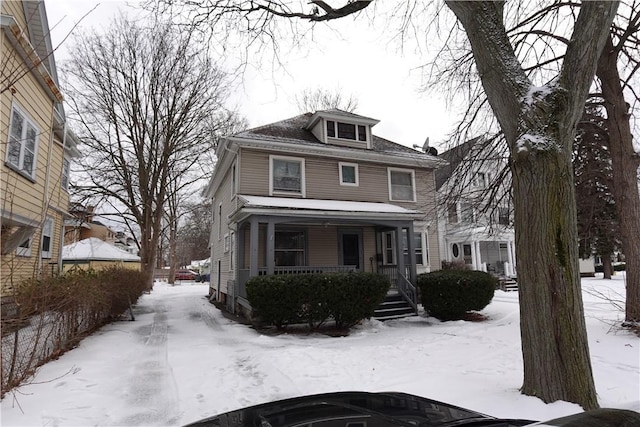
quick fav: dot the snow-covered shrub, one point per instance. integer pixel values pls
(449, 294)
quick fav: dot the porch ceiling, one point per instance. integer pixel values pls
(313, 208)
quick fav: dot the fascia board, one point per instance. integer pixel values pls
(387, 158)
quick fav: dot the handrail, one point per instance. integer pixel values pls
(408, 291)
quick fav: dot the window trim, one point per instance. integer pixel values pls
(47, 231)
(27, 122)
(301, 160)
(413, 183)
(357, 135)
(356, 172)
(25, 251)
(66, 173)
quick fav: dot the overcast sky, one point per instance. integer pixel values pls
(360, 60)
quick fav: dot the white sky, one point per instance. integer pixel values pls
(366, 66)
(181, 361)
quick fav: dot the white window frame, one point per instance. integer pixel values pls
(226, 243)
(231, 251)
(336, 125)
(47, 231)
(301, 160)
(356, 172)
(413, 183)
(389, 247)
(19, 167)
(66, 172)
(25, 251)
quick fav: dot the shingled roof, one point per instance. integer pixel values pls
(454, 157)
(293, 130)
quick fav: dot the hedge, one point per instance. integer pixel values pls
(449, 294)
(313, 299)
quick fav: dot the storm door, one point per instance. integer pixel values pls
(350, 247)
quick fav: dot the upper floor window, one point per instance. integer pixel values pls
(348, 174)
(65, 173)
(479, 180)
(22, 145)
(47, 233)
(503, 215)
(346, 131)
(452, 213)
(467, 213)
(287, 175)
(402, 185)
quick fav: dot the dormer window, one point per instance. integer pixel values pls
(346, 131)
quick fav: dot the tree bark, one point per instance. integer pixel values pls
(540, 129)
(625, 162)
(607, 268)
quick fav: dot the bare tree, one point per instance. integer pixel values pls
(145, 96)
(311, 100)
(538, 124)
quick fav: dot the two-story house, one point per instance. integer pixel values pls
(36, 148)
(475, 215)
(320, 192)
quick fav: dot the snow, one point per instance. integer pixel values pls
(323, 205)
(181, 360)
(93, 248)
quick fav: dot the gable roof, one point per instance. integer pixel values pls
(94, 249)
(454, 156)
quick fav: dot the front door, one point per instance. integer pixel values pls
(350, 248)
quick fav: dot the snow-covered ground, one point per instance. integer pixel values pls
(181, 361)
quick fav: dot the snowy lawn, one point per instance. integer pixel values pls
(181, 361)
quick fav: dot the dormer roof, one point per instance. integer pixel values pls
(337, 115)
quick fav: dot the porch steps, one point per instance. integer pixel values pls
(393, 307)
(508, 285)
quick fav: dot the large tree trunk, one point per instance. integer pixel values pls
(607, 267)
(625, 168)
(540, 129)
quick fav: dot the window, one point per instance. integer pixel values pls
(65, 173)
(47, 232)
(401, 185)
(417, 247)
(231, 251)
(348, 174)
(452, 213)
(24, 248)
(479, 180)
(219, 221)
(503, 216)
(226, 243)
(467, 215)
(290, 248)
(346, 131)
(287, 175)
(23, 140)
(234, 183)
(388, 254)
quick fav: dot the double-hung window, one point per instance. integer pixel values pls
(418, 247)
(348, 174)
(290, 247)
(65, 173)
(286, 175)
(47, 237)
(402, 185)
(22, 144)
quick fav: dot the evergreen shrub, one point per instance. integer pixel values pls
(449, 294)
(347, 298)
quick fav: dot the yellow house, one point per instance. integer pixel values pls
(95, 254)
(36, 147)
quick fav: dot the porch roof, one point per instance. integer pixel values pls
(322, 208)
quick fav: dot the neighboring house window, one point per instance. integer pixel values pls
(503, 216)
(466, 213)
(402, 185)
(47, 233)
(65, 173)
(24, 248)
(348, 174)
(479, 180)
(23, 140)
(226, 243)
(290, 248)
(346, 131)
(231, 251)
(287, 175)
(452, 213)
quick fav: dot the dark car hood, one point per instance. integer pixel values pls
(355, 409)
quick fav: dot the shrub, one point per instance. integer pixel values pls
(449, 294)
(314, 298)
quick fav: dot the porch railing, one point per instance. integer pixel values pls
(244, 274)
(391, 272)
(408, 291)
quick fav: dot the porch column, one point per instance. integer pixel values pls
(476, 246)
(242, 229)
(253, 247)
(509, 272)
(399, 251)
(412, 253)
(271, 244)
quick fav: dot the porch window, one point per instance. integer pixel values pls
(402, 185)
(287, 175)
(47, 232)
(22, 144)
(290, 248)
(418, 246)
(348, 174)
(388, 254)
